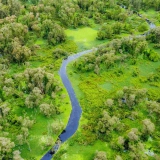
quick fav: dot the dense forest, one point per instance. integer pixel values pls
(117, 85)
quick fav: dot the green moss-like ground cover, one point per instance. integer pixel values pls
(84, 37)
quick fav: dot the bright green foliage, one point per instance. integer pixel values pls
(105, 32)
(154, 35)
(152, 55)
(143, 27)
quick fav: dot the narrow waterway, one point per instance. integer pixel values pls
(76, 109)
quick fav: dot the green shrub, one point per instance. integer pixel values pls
(154, 56)
(143, 79)
(135, 72)
(143, 27)
(154, 94)
(58, 53)
(157, 45)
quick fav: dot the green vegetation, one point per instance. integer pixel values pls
(35, 37)
(85, 38)
(117, 96)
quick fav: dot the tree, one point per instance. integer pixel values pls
(58, 53)
(9, 7)
(148, 126)
(29, 19)
(68, 13)
(53, 32)
(19, 53)
(56, 35)
(39, 78)
(84, 4)
(16, 155)
(118, 157)
(118, 144)
(122, 16)
(100, 155)
(47, 109)
(152, 55)
(143, 27)
(107, 124)
(105, 32)
(109, 102)
(117, 27)
(97, 69)
(25, 122)
(130, 101)
(133, 134)
(153, 106)
(136, 4)
(56, 127)
(4, 109)
(154, 35)
(10, 34)
(20, 139)
(34, 99)
(6, 146)
(137, 151)
(25, 133)
(4, 12)
(109, 59)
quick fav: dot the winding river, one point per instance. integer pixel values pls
(76, 109)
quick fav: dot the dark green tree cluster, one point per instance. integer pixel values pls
(154, 37)
(141, 4)
(54, 33)
(108, 31)
(9, 8)
(26, 21)
(13, 37)
(117, 51)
